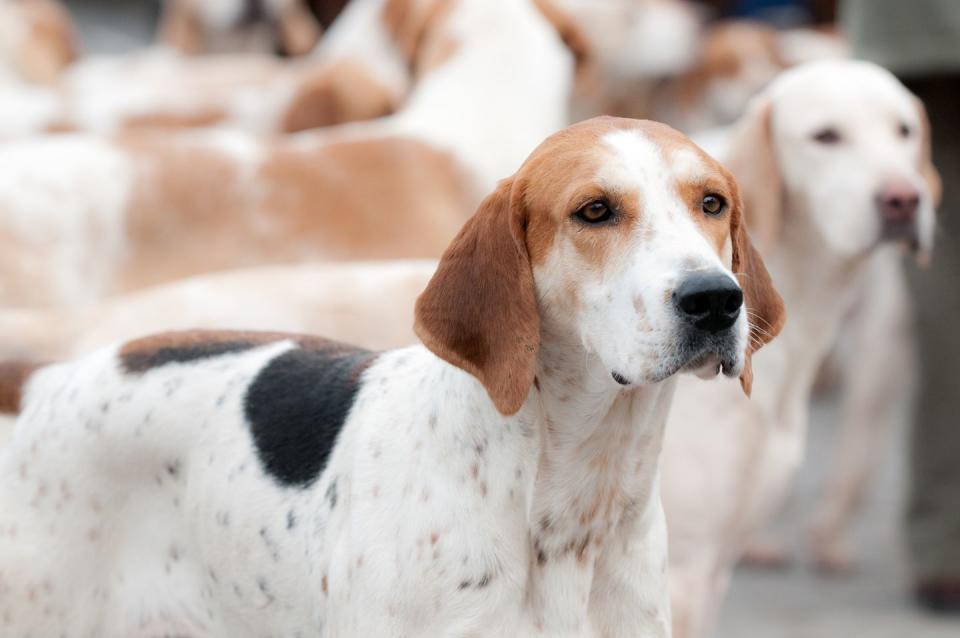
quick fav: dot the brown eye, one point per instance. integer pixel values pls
(594, 212)
(713, 205)
(827, 136)
(904, 130)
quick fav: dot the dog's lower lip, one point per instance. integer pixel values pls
(619, 378)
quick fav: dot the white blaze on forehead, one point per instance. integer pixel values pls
(638, 163)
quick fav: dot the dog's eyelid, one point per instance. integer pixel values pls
(827, 135)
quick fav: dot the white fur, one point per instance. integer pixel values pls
(62, 203)
(165, 522)
(728, 461)
(489, 103)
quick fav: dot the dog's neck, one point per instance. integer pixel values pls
(506, 85)
(816, 284)
(597, 476)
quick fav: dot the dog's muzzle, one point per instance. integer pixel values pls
(709, 306)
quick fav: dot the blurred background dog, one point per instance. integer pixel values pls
(144, 142)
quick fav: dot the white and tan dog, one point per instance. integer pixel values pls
(83, 217)
(357, 72)
(500, 481)
(37, 41)
(833, 161)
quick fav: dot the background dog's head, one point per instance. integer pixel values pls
(845, 144)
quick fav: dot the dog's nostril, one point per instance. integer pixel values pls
(696, 304)
(709, 302)
(734, 301)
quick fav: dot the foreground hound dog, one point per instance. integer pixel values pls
(500, 481)
(83, 217)
(833, 161)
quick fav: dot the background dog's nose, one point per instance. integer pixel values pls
(897, 202)
(710, 302)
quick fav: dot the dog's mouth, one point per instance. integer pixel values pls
(706, 356)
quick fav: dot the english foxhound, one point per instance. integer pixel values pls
(500, 480)
(834, 164)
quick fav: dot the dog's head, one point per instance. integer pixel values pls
(619, 234)
(845, 143)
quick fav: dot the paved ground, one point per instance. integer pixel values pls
(873, 603)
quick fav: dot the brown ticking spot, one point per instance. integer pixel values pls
(323, 585)
(475, 471)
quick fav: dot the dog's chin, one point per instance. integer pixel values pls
(711, 364)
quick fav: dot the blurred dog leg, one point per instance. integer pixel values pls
(878, 381)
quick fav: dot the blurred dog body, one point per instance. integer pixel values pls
(152, 208)
(37, 41)
(736, 60)
(365, 303)
(231, 26)
(833, 160)
(356, 73)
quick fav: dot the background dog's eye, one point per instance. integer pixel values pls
(594, 212)
(904, 130)
(713, 204)
(827, 136)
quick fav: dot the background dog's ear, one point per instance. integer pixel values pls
(765, 311)
(927, 169)
(753, 161)
(568, 30)
(479, 311)
(299, 31)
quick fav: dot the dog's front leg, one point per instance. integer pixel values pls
(630, 594)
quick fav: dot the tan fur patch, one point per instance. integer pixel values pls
(51, 44)
(344, 91)
(201, 117)
(194, 210)
(141, 355)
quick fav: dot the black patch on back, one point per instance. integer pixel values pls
(142, 361)
(296, 407)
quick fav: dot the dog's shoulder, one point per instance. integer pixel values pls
(295, 404)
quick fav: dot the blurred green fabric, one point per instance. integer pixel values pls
(909, 37)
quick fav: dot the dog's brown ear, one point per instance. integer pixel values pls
(764, 306)
(568, 30)
(753, 161)
(927, 169)
(479, 311)
(298, 30)
(412, 24)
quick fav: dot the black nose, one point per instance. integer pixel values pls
(709, 302)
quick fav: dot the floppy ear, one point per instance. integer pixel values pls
(753, 161)
(765, 310)
(409, 23)
(298, 29)
(479, 311)
(569, 31)
(927, 169)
